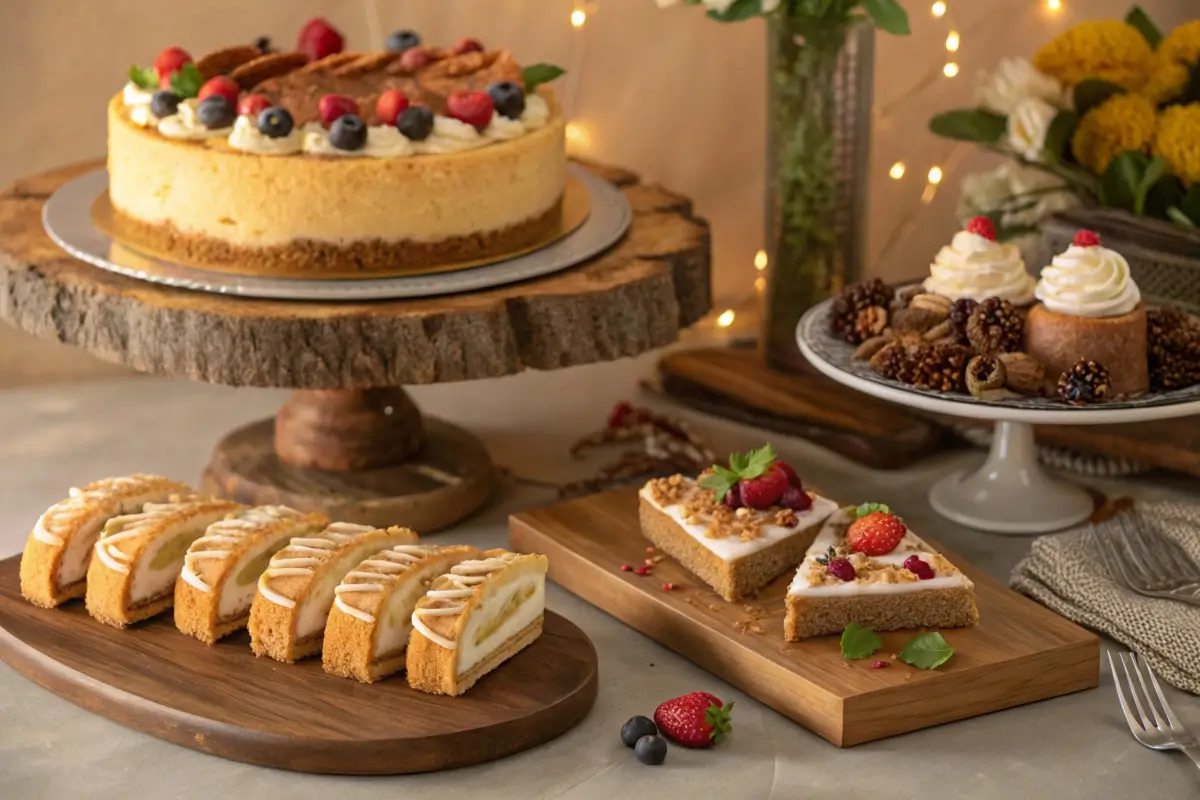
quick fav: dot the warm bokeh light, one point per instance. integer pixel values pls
(939, 9)
(1054, 5)
(760, 284)
(952, 42)
(577, 135)
(935, 175)
(760, 260)
(578, 17)
(897, 171)
(726, 318)
(950, 70)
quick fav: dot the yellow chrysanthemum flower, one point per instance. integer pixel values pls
(1182, 45)
(1178, 141)
(1123, 122)
(1109, 50)
(1167, 80)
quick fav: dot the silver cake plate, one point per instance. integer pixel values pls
(67, 218)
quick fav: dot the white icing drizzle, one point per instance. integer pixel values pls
(388, 566)
(320, 546)
(230, 531)
(131, 526)
(465, 578)
(78, 502)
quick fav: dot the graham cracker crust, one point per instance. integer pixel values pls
(307, 258)
(431, 667)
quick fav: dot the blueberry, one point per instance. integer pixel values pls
(276, 122)
(416, 123)
(263, 44)
(348, 132)
(400, 41)
(216, 112)
(164, 103)
(508, 98)
(636, 728)
(651, 750)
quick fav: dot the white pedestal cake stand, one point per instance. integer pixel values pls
(1010, 493)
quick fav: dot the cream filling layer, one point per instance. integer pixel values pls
(158, 566)
(731, 548)
(470, 653)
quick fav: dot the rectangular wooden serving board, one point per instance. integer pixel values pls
(1020, 652)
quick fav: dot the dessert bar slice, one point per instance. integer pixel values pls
(474, 618)
(138, 558)
(368, 628)
(287, 617)
(55, 562)
(222, 568)
(902, 583)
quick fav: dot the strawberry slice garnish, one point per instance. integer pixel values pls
(876, 531)
(698, 719)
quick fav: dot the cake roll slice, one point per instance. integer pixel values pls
(138, 558)
(221, 569)
(368, 628)
(59, 549)
(295, 593)
(474, 618)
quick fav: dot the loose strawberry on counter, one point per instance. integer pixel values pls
(698, 719)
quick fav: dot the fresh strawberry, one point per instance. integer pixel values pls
(416, 58)
(252, 105)
(793, 478)
(694, 720)
(876, 533)
(319, 39)
(332, 106)
(170, 61)
(982, 226)
(390, 106)
(221, 85)
(1086, 239)
(473, 108)
(765, 490)
(467, 46)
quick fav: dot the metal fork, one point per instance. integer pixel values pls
(1146, 562)
(1153, 728)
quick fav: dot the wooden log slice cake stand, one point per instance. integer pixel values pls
(349, 442)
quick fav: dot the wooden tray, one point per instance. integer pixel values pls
(1019, 653)
(224, 701)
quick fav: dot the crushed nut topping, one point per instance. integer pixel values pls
(700, 507)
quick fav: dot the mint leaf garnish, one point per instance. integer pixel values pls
(742, 466)
(537, 74)
(758, 461)
(187, 81)
(859, 642)
(721, 481)
(144, 77)
(871, 508)
(824, 560)
(927, 651)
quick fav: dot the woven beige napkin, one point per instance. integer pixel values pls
(1064, 573)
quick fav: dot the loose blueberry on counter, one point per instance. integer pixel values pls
(263, 45)
(651, 750)
(216, 112)
(276, 122)
(636, 728)
(400, 41)
(164, 103)
(415, 123)
(509, 99)
(348, 132)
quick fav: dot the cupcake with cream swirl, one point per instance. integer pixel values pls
(974, 266)
(1090, 307)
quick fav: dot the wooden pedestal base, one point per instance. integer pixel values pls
(345, 429)
(448, 479)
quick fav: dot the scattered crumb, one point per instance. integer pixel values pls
(657, 559)
(712, 607)
(743, 626)
(777, 612)
(626, 568)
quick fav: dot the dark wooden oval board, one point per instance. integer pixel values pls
(224, 701)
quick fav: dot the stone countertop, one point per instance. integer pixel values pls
(55, 437)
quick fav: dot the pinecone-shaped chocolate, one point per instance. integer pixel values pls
(960, 314)
(995, 326)
(1174, 348)
(941, 367)
(1085, 383)
(985, 374)
(852, 301)
(889, 361)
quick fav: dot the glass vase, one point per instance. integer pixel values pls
(818, 127)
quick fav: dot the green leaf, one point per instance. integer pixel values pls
(1178, 216)
(1093, 92)
(1167, 192)
(1138, 18)
(758, 461)
(1190, 204)
(1120, 182)
(739, 11)
(970, 125)
(1154, 171)
(144, 77)
(1059, 135)
(720, 482)
(927, 651)
(870, 508)
(859, 642)
(187, 81)
(537, 74)
(888, 15)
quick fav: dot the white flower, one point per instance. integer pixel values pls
(1024, 195)
(1014, 80)
(1028, 125)
(984, 192)
(720, 5)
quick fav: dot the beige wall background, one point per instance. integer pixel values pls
(669, 94)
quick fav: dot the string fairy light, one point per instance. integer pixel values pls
(939, 9)
(952, 42)
(578, 18)
(1054, 5)
(897, 171)
(727, 317)
(760, 260)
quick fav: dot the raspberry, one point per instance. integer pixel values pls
(333, 106)
(918, 567)
(982, 226)
(626, 568)
(390, 106)
(841, 569)
(876, 534)
(170, 61)
(765, 490)
(1086, 239)
(733, 498)
(252, 105)
(221, 85)
(319, 39)
(620, 412)
(793, 478)
(416, 58)
(474, 108)
(795, 499)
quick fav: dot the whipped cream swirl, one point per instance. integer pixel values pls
(1088, 282)
(975, 267)
(184, 125)
(249, 139)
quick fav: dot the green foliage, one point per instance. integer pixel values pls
(537, 74)
(1139, 184)
(1138, 18)
(144, 77)
(1187, 211)
(741, 10)
(741, 466)
(870, 508)
(970, 125)
(927, 651)
(859, 642)
(187, 81)
(1093, 92)
(888, 16)
(1059, 135)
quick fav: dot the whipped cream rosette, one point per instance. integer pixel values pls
(975, 266)
(1088, 281)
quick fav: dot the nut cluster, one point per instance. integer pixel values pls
(995, 326)
(1174, 348)
(849, 323)
(1085, 383)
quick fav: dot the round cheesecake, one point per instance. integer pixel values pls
(235, 199)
